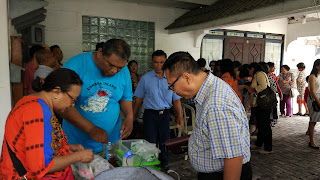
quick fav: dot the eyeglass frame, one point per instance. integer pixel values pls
(170, 87)
(73, 100)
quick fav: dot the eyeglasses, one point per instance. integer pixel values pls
(170, 87)
(73, 100)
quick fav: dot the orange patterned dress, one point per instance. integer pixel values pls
(232, 82)
(35, 136)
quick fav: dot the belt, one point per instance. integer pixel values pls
(158, 112)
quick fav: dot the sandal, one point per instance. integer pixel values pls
(298, 114)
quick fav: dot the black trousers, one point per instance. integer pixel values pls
(264, 136)
(156, 127)
(246, 174)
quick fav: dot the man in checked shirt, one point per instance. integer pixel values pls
(219, 146)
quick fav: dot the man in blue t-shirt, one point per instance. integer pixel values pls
(154, 91)
(106, 88)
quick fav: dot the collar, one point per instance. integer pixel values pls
(203, 89)
(153, 73)
(45, 67)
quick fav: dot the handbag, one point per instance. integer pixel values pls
(293, 92)
(315, 106)
(267, 99)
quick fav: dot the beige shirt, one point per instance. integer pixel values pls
(260, 81)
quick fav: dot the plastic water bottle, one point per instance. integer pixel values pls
(127, 159)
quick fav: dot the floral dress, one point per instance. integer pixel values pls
(301, 87)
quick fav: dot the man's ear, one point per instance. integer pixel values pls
(188, 77)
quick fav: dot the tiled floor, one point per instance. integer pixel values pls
(291, 157)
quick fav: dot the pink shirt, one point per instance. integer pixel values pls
(28, 77)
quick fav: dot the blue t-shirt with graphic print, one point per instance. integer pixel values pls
(98, 101)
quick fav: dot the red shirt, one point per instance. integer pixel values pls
(28, 77)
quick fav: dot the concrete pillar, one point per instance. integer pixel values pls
(5, 94)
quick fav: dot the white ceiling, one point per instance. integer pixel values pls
(181, 4)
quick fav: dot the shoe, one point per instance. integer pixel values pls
(313, 147)
(305, 114)
(265, 152)
(298, 114)
(165, 167)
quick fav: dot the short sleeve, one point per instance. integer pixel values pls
(175, 97)
(140, 91)
(127, 94)
(224, 130)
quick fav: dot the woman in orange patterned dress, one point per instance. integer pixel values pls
(229, 76)
(34, 136)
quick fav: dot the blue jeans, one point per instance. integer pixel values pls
(156, 127)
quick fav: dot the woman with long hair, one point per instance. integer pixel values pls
(314, 88)
(259, 83)
(35, 138)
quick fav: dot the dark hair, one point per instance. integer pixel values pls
(34, 49)
(244, 73)
(301, 65)
(62, 77)
(213, 61)
(99, 45)
(42, 56)
(237, 64)
(264, 66)
(261, 66)
(159, 53)
(201, 62)
(286, 67)
(245, 66)
(314, 70)
(132, 61)
(252, 65)
(180, 62)
(270, 64)
(227, 66)
(53, 47)
(118, 47)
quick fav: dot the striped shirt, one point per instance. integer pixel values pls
(221, 129)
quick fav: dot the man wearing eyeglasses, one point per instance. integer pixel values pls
(157, 97)
(106, 88)
(219, 146)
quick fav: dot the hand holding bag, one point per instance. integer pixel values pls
(315, 105)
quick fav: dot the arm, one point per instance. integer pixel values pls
(136, 106)
(177, 108)
(73, 116)
(232, 168)
(312, 89)
(61, 162)
(127, 124)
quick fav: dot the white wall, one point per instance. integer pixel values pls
(277, 26)
(5, 102)
(64, 23)
(303, 30)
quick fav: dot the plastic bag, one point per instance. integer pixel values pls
(87, 171)
(148, 151)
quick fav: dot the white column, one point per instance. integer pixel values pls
(5, 93)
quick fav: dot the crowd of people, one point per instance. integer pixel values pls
(92, 88)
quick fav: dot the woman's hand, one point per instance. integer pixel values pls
(75, 147)
(86, 155)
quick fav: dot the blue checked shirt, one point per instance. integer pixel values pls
(221, 129)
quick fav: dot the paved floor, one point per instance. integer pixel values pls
(291, 157)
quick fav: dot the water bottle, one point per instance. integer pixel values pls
(127, 159)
